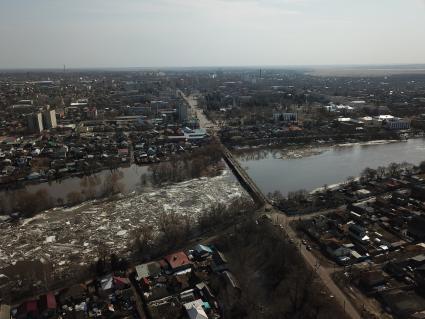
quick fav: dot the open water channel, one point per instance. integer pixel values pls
(272, 170)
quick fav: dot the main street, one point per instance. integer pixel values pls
(323, 273)
(204, 122)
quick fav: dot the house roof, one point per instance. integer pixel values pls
(106, 282)
(121, 282)
(148, 269)
(229, 276)
(194, 310)
(177, 260)
(49, 301)
(219, 257)
(418, 258)
(76, 292)
(201, 249)
(404, 303)
(28, 307)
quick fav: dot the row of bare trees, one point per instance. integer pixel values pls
(301, 199)
(392, 170)
(174, 230)
(29, 203)
(200, 162)
(196, 164)
(275, 282)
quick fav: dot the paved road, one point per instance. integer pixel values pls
(311, 215)
(204, 122)
(323, 273)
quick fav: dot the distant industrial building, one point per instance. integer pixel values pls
(397, 124)
(49, 119)
(285, 117)
(35, 122)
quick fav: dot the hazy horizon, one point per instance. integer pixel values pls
(289, 66)
(96, 34)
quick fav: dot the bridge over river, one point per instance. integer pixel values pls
(325, 274)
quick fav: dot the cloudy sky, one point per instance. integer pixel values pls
(145, 33)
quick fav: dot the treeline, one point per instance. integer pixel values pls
(26, 204)
(393, 170)
(204, 161)
(173, 232)
(301, 201)
(274, 280)
(174, 229)
(200, 162)
(94, 187)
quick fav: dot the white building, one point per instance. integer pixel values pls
(195, 310)
(367, 120)
(80, 103)
(391, 122)
(338, 108)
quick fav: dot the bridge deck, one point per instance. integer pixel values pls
(244, 178)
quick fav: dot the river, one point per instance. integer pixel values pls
(325, 165)
(129, 178)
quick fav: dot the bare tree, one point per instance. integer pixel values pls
(74, 198)
(368, 174)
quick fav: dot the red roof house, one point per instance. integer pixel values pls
(29, 307)
(48, 301)
(178, 260)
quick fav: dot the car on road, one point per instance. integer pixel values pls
(308, 247)
(304, 242)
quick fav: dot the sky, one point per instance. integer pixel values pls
(184, 33)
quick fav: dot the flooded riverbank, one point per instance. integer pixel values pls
(74, 235)
(74, 189)
(70, 191)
